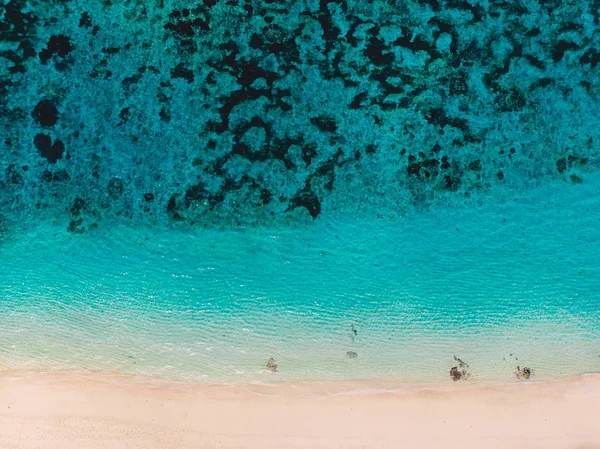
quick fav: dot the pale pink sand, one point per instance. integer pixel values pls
(63, 411)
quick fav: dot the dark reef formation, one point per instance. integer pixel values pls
(245, 112)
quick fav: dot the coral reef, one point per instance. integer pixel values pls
(247, 112)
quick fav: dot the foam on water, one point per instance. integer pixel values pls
(498, 286)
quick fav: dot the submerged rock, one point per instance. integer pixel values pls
(351, 355)
(460, 372)
(353, 332)
(272, 365)
(455, 374)
(52, 152)
(523, 373)
(45, 113)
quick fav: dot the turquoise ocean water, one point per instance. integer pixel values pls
(359, 190)
(496, 285)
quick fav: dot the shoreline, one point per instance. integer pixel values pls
(282, 385)
(90, 410)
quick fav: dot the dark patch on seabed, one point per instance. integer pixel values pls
(245, 112)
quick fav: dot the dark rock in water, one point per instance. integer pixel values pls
(460, 372)
(56, 153)
(42, 142)
(353, 332)
(75, 226)
(308, 199)
(461, 364)
(85, 20)
(115, 188)
(351, 355)
(45, 113)
(172, 210)
(566, 163)
(78, 205)
(576, 179)
(272, 365)
(52, 152)
(57, 45)
(523, 373)
(455, 374)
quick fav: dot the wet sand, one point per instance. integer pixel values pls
(93, 411)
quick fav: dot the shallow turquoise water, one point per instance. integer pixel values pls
(188, 189)
(496, 285)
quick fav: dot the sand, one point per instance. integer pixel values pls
(92, 411)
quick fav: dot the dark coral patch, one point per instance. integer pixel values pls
(52, 152)
(181, 72)
(561, 48)
(77, 207)
(325, 123)
(172, 209)
(57, 45)
(85, 20)
(308, 199)
(12, 175)
(42, 142)
(75, 226)
(45, 113)
(511, 100)
(412, 92)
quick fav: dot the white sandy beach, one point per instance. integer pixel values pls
(68, 410)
